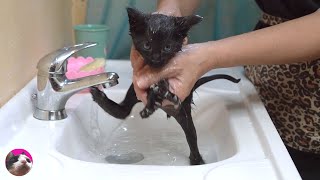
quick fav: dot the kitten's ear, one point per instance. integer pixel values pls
(136, 19)
(134, 15)
(186, 22)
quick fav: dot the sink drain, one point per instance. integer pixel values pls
(127, 158)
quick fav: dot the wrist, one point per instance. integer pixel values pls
(169, 8)
(169, 12)
(209, 58)
(219, 54)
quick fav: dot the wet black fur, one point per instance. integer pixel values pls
(160, 30)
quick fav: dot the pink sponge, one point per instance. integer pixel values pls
(74, 66)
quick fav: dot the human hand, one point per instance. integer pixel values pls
(137, 64)
(182, 71)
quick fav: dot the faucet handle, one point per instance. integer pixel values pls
(55, 62)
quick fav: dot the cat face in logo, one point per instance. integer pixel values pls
(158, 37)
(18, 165)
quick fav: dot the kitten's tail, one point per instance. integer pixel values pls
(206, 79)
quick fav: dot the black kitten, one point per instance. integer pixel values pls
(18, 165)
(158, 38)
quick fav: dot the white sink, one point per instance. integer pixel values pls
(235, 135)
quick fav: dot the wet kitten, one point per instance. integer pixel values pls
(158, 38)
(18, 165)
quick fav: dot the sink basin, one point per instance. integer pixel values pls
(235, 136)
(92, 135)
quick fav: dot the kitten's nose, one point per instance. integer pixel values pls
(24, 162)
(155, 57)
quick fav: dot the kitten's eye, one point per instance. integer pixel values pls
(167, 48)
(28, 160)
(146, 46)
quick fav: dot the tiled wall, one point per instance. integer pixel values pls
(29, 30)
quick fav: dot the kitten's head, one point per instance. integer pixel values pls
(158, 37)
(18, 165)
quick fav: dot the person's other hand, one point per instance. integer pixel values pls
(182, 72)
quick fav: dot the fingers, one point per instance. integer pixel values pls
(178, 88)
(140, 93)
(136, 59)
(185, 41)
(147, 77)
(137, 64)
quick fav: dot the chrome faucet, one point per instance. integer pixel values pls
(54, 88)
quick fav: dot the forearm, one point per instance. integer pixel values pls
(177, 7)
(293, 41)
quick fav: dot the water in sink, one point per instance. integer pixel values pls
(113, 156)
(92, 135)
(164, 144)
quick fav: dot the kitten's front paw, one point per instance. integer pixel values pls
(174, 99)
(146, 113)
(97, 94)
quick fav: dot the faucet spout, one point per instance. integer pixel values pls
(109, 79)
(54, 88)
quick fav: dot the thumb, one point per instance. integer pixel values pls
(146, 77)
(136, 59)
(145, 80)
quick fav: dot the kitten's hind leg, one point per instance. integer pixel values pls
(184, 118)
(120, 111)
